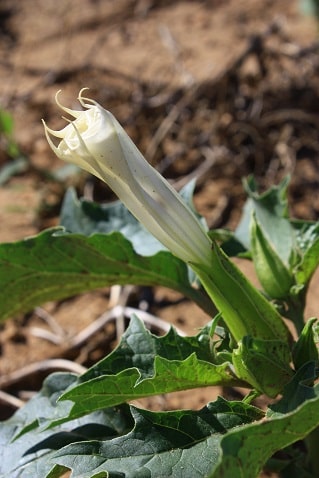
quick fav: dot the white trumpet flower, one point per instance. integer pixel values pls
(96, 142)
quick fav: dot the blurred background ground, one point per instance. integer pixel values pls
(215, 89)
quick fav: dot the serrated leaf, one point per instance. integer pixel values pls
(138, 348)
(223, 440)
(169, 376)
(124, 441)
(145, 365)
(54, 265)
(246, 449)
(24, 445)
(161, 444)
(140, 366)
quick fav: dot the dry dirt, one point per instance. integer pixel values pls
(224, 88)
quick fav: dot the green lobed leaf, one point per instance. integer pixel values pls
(140, 366)
(169, 376)
(161, 444)
(117, 440)
(54, 265)
(144, 365)
(223, 440)
(24, 445)
(247, 448)
(138, 348)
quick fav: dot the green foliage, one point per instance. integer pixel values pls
(32, 270)
(87, 217)
(273, 273)
(121, 441)
(310, 7)
(85, 424)
(244, 309)
(285, 251)
(255, 357)
(144, 365)
(6, 130)
(247, 448)
(305, 348)
(18, 162)
(232, 438)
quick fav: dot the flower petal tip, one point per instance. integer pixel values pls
(73, 113)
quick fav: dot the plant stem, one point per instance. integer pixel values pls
(296, 308)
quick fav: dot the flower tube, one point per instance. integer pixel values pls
(96, 142)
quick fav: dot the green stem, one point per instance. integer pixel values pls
(296, 308)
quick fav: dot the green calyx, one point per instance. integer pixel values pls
(244, 309)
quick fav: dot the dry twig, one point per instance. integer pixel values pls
(42, 366)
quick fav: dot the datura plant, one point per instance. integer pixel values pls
(96, 142)
(85, 423)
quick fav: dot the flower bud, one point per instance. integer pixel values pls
(96, 142)
(272, 273)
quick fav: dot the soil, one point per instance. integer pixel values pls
(216, 89)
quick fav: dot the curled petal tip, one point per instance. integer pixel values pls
(56, 97)
(73, 113)
(57, 134)
(80, 97)
(84, 100)
(48, 132)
